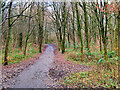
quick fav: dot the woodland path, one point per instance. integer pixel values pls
(36, 75)
(45, 72)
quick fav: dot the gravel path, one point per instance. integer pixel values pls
(36, 75)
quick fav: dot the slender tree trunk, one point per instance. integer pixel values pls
(73, 21)
(58, 40)
(68, 34)
(79, 29)
(105, 37)
(28, 33)
(46, 33)
(27, 36)
(111, 38)
(26, 44)
(8, 35)
(119, 44)
(3, 27)
(100, 21)
(20, 40)
(100, 40)
(40, 25)
(41, 38)
(64, 27)
(117, 30)
(104, 32)
(41, 30)
(86, 27)
(60, 35)
(115, 36)
(111, 34)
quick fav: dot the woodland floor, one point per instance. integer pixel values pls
(42, 71)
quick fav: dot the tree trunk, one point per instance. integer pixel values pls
(64, 27)
(27, 37)
(8, 35)
(86, 27)
(119, 44)
(111, 38)
(73, 31)
(26, 45)
(46, 33)
(105, 37)
(79, 30)
(3, 27)
(28, 33)
(100, 27)
(41, 27)
(104, 32)
(68, 34)
(20, 40)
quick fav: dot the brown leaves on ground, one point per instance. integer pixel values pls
(62, 67)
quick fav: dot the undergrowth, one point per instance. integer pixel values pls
(104, 73)
(16, 55)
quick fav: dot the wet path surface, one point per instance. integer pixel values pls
(36, 75)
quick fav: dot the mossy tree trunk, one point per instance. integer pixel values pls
(104, 34)
(46, 33)
(86, 27)
(3, 25)
(61, 21)
(40, 21)
(68, 34)
(79, 29)
(64, 27)
(28, 33)
(73, 26)
(8, 35)
(119, 44)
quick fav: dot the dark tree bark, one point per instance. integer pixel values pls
(46, 33)
(104, 32)
(27, 36)
(64, 27)
(3, 26)
(68, 33)
(86, 27)
(105, 41)
(79, 30)
(8, 35)
(73, 21)
(119, 43)
(20, 40)
(41, 32)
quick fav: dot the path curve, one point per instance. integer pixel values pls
(36, 75)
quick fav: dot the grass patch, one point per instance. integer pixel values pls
(16, 55)
(90, 79)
